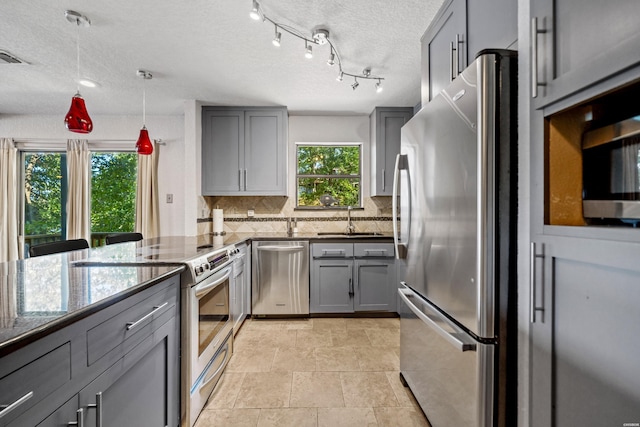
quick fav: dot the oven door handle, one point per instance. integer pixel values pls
(204, 288)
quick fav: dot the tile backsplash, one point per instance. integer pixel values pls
(271, 213)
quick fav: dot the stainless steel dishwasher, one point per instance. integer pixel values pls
(280, 278)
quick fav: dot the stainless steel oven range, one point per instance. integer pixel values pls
(207, 329)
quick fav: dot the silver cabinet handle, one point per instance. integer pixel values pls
(383, 181)
(10, 407)
(79, 419)
(333, 252)
(351, 293)
(452, 52)
(533, 307)
(245, 180)
(457, 61)
(131, 325)
(375, 251)
(98, 406)
(534, 57)
(240, 179)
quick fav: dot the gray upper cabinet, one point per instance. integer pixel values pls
(244, 151)
(459, 31)
(576, 43)
(385, 124)
(444, 47)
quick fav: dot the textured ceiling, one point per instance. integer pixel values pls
(210, 51)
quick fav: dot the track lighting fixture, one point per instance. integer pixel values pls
(276, 39)
(319, 37)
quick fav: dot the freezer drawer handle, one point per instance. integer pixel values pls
(405, 294)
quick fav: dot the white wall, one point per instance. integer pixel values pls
(170, 129)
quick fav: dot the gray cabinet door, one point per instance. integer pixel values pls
(584, 338)
(375, 288)
(385, 123)
(444, 48)
(580, 43)
(222, 151)
(142, 388)
(265, 152)
(332, 286)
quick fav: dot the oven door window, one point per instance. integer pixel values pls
(213, 314)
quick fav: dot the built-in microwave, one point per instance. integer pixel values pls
(611, 172)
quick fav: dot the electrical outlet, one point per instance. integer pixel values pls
(250, 213)
(169, 198)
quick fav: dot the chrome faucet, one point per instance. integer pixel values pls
(350, 227)
(289, 227)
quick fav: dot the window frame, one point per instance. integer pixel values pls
(359, 177)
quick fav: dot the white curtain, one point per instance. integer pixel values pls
(8, 200)
(147, 203)
(79, 190)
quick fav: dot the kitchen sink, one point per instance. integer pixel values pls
(354, 234)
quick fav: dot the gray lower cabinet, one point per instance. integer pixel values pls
(348, 277)
(244, 151)
(119, 365)
(385, 124)
(239, 288)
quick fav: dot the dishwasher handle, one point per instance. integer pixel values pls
(451, 338)
(281, 248)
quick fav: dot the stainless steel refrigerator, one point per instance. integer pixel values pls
(455, 211)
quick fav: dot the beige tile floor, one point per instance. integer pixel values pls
(314, 372)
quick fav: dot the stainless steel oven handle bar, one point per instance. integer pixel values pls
(406, 294)
(205, 287)
(215, 373)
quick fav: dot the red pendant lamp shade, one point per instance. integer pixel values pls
(77, 119)
(144, 145)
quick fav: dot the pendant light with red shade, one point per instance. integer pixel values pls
(77, 118)
(144, 145)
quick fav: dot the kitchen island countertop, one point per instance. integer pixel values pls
(41, 295)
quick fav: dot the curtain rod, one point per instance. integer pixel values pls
(61, 140)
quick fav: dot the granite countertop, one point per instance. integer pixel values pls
(41, 295)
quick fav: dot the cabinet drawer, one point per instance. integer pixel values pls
(332, 250)
(377, 250)
(34, 381)
(129, 322)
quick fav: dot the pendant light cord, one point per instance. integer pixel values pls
(144, 104)
(78, 56)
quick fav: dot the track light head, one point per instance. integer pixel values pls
(340, 76)
(355, 84)
(277, 38)
(332, 59)
(379, 86)
(255, 11)
(308, 51)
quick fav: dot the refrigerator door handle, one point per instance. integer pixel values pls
(400, 248)
(451, 338)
